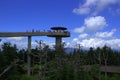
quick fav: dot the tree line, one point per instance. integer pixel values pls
(50, 64)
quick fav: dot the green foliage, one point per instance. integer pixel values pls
(115, 77)
(57, 64)
(91, 56)
(26, 77)
(94, 73)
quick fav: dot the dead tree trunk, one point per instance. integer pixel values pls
(9, 67)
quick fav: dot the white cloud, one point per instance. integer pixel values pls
(81, 10)
(95, 23)
(75, 40)
(67, 44)
(51, 44)
(95, 42)
(94, 6)
(102, 4)
(92, 24)
(86, 43)
(99, 40)
(114, 43)
(105, 34)
(90, 2)
(83, 36)
(21, 44)
(79, 30)
(15, 38)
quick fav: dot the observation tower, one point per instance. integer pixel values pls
(59, 32)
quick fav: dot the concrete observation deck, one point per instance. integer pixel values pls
(56, 32)
(37, 33)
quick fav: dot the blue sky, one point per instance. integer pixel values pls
(91, 22)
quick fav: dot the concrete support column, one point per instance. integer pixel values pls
(58, 42)
(29, 56)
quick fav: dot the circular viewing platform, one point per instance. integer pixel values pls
(59, 32)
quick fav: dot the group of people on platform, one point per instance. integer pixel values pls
(46, 31)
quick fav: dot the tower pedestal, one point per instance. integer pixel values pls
(58, 42)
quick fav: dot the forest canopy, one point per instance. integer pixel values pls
(49, 64)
